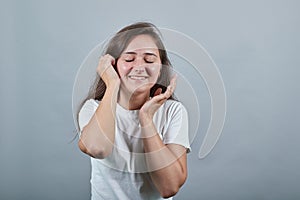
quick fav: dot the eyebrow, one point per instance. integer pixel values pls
(147, 53)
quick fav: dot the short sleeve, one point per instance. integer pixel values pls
(86, 112)
(177, 131)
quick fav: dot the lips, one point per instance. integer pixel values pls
(137, 77)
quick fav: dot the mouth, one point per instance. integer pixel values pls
(137, 77)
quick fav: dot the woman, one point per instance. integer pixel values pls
(134, 131)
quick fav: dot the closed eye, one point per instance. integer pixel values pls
(129, 60)
(149, 61)
(150, 58)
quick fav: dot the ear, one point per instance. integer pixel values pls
(158, 91)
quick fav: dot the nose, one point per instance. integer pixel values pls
(139, 70)
(138, 66)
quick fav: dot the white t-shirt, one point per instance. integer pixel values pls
(124, 174)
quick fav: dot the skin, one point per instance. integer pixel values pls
(138, 67)
(98, 136)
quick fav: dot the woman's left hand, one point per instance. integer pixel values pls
(151, 106)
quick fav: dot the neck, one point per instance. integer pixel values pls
(134, 101)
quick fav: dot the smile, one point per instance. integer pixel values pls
(138, 77)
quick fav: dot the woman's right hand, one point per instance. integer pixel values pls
(106, 70)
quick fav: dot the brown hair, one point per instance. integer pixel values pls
(118, 43)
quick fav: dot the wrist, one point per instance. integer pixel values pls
(145, 119)
(112, 85)
(146, 122)
(148, 129)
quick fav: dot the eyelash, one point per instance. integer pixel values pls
(149, 61)
(133, 60)
(129, 60)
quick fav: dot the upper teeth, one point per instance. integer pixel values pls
(138, 77)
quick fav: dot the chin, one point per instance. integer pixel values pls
(142, 88)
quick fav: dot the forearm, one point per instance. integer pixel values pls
(98, 136)
(165, 169)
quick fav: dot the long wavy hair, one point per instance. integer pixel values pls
(118, 43)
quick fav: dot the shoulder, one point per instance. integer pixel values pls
(174, 106)
(90, 104)
(173, 109)
(86, 112)
(88, 107)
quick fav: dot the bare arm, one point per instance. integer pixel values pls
(166, 163)
(97, 137)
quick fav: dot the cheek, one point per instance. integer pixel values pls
(123, 68)
(154, 70)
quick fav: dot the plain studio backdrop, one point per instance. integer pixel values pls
(255, 45)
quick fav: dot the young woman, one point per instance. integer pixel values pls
(130, 124)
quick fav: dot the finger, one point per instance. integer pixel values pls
(102, 68)
(173, 81)
(168, 92)
(110, 59)
(172, 86)
(105, 62)
(159, 98)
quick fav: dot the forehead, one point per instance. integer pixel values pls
(142, 43)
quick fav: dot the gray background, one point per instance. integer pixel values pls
(254, 43)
